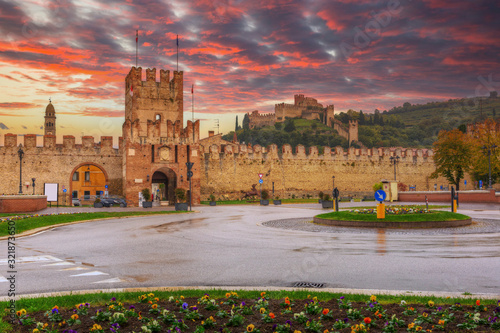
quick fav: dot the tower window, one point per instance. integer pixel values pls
(158, 117)
(76, 176)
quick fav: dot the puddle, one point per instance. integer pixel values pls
(177, 226)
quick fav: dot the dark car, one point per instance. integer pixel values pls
(75, 202)
(108, 202)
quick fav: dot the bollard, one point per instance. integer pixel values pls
(381, 211)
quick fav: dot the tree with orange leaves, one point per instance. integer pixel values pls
(452, 156)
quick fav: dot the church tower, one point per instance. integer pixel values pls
(50, 119)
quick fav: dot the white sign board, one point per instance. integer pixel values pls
(50, 190)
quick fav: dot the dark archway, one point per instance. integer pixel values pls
(168, 178)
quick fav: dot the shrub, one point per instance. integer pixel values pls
(377, 186)
(180, 194)
(326, 197)
(402, 187)
(146, 194)
(212, 197)
(265, 195)
(321, 194)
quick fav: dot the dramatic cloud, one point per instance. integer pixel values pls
(18, 105)
(247, 55)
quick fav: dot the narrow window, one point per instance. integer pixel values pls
(87, 176)
(76, 176)
(74, 195)
(176, 154)
(152, 153)
(188, 153)
(86, 195)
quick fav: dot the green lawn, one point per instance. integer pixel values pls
(433, 216)
(257, 202)
(48, 220)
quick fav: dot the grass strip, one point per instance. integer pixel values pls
(392, 206)
(436, 216)
(35, 222)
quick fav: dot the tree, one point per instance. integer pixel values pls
(486, 141)
(361, 117)
(246, 122)
(236, 126)
(452, 156)
(289, 125)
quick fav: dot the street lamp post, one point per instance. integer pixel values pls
(20, 152)
(489, 150)
(333, 186)
(394, 160)
(33, 184)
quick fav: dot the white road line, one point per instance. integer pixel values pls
(113, 280)
(73, 269)
(32, 259)
(94, 273)
(64, 263)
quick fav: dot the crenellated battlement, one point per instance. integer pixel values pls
(87, 147)
(158, 132)
(239, 151)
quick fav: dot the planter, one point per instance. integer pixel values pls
(264, 202)
(98, 205)
(277, 202)
(327, 204)
(147, 204)
(319, 200)
(181, 206)
(213, 203)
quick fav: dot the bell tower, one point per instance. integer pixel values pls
(50, 119)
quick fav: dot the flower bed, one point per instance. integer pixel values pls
(394, 210)
(233, 314)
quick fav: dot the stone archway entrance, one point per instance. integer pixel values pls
(163, 185)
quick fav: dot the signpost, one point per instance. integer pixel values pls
(465, 184)
(380, 196)
(189, 175)
(261, 181)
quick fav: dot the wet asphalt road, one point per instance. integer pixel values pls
(229, 246)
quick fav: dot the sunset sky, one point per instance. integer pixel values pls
(240, 55)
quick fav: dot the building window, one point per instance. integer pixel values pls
(176, 154)
(97, 194)
(76, 176)
(86, 195)
(87, 176)
(74, 195)
(158, 117)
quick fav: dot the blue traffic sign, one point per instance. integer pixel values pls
(261, 181)
(64, 190)
(106, 186)
(380, 195)
(465, 182)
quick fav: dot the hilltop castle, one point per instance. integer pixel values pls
(305, 108)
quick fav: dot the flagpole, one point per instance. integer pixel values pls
(192, 101)
(136, 46)
(177, 53)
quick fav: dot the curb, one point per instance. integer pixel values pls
(235, 288)
(398, 225)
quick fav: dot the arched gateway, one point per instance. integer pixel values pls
(163, 184)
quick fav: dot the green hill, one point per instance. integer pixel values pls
(411, 126)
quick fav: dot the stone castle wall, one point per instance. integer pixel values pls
(55, 163)
(231, 170)
(261, 120)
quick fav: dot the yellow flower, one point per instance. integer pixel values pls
(157, 299)
(431, 303)
(315, 299)
(111, 307)
(410, 326)
(45, 325)
(262, 310)
(297, 331)
(250, 328)
(151, 295)
(419, 328)
(182, 297)
(36, 330)
(373, 298)
(425, 314)
(228, 295)
(212, 319)
(74, 317)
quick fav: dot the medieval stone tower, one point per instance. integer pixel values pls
(353, 130)
(50, 120)
(156, 146)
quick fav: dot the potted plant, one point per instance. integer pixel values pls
(146, 195)
(180, 195)
(212, 200)
(98, 203)
(277, 200)
(326, 202)
(264, 201)
(321, 194)
(163, 198)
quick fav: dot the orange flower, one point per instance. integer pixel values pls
(262, 294)
(287, 301)
(154, 306)
(367, 320)
(441, 322)
(478, 302)
(325, 311)
(271, 315)
(380, 315)
(150, 302)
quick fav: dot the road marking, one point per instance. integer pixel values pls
(26, 260)
(94, 273)
(113, 280)
(64, 263)
(73, 269)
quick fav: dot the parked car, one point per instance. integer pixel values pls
(76, 202)
(108, 202)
